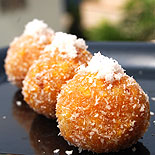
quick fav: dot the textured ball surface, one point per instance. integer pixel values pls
(46, 76)
(25, 49)
(101, 116)
(21, 55)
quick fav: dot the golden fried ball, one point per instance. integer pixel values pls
(45, 139)
(46, 76)
(100, 115)
(24, 50)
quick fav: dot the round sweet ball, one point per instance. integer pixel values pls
(102, 109)
(25, 49)
(55, 66)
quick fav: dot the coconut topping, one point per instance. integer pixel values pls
(67, 44)
(4, 117)
(106, 68)
(153, 98)
(151, 113)
(36, 26)
(69, 152)
(19, 103)
(56, 151)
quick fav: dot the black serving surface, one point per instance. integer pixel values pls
(22, 131)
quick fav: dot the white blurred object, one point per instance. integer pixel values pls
(12, 22)
(93, 12)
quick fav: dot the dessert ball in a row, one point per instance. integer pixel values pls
(57, 64)
(57, 57)
(25, 49)
(98, 106)
(101, 108)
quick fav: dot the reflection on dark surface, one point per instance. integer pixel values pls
(22, 113)
(44, 136)
(43, 132)
(136, 149)
(11, 5)
(44, 139)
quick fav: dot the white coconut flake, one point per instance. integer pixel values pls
(36, 26)
(90, 80)
(134, 106)
(96, 101)
(67, 44)
(110, 86)
(42, 39)
(80, 43)
(56, 151)
(108, 107)
(106, 68)
(4, 117)
(69, 152)
(151, 113)
(142, 108)
(132, 123)
(91, 133)
(134, 149)
(96, 115)
(80, 149)
(153, 98)
(19, 103)
(147, 97)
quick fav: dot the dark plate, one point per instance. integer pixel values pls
(22, 131)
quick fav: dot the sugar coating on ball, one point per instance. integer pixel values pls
(67, 45)
(25, 49)
(105, 67)
(54, 67)
(36, 27)
(102, 109)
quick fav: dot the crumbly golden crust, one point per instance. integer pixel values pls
(21, 55)
(101, 116)
(46, 76)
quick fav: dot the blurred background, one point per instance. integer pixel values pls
(95, 20)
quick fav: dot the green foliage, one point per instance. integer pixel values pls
(106, 31)
(139, 19)
(138, 23)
